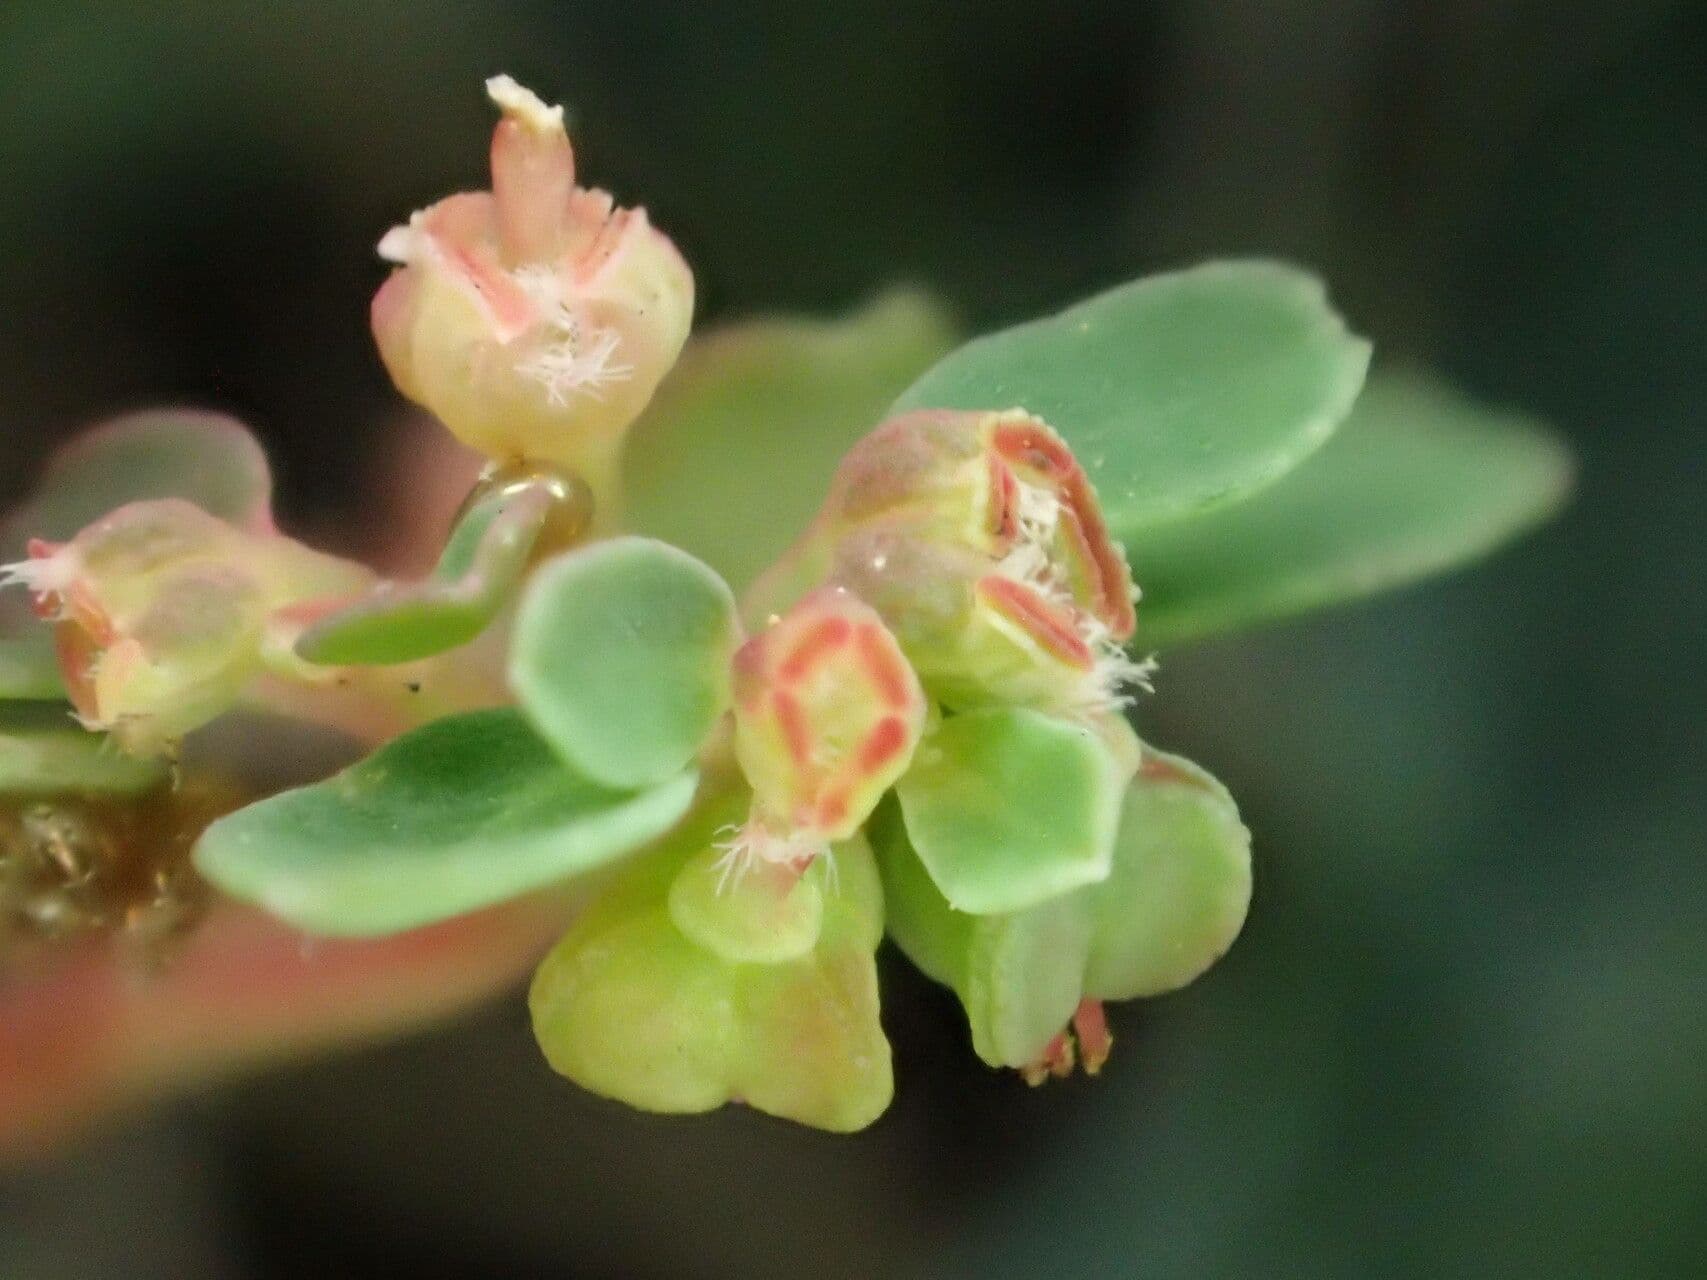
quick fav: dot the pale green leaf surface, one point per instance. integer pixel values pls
(462, 813)
(621, 656)
(757, 916)
(477, 575)
(1419, 479)
(1181, 883)
(631, 1007)
(1177, 392)
(1173, 902)
(1008, 807)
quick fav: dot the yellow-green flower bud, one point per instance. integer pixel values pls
(163, 614)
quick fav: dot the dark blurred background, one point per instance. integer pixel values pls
(1465, 1030)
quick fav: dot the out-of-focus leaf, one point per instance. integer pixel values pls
(1419, 479)
(475, 577)
(43, 751)
(737, 450)
(28, 665)
(621, 658)
(205, 458)
(1008, 807)
(1177, 392)
(464, 812)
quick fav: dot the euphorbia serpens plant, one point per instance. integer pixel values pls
(758, 648)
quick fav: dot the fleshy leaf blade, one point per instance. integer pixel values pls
(1008, 807)
(1173, 902)
(1180, 886)
(1177, 392)
(462, 813)
(477, 574)
(630, 1007)
(1419, 479)
(621, 658)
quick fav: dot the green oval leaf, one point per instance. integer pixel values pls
(934, 936)
(1177, 392)
(1025, 974)
(204, 458)
(1418, 480)
(737, 450)
(476, 576)
(43, 751)
(621, 658)
(1008, 807)
(1181, 883)
(457, 815)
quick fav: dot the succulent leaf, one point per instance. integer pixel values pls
(1174, 899)
(477, 574)
(1178, 392)
(621, 658)
(1008, 807)
(468, 811)
(1420, 479)
(767, 914)
(1180, 887)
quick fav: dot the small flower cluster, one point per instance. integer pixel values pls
(922, 735)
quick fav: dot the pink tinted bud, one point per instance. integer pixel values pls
(827, 715)
(535, 320)
(979, 539)
(162, 613)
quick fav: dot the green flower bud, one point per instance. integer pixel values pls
(163, 615)
(978, 538)
(675, 994)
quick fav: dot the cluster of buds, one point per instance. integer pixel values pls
(974, 545)
(978, 538)
(535, 320)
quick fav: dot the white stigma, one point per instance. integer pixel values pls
(523, 105)
(41, 575)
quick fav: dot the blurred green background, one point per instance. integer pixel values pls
(1465, 1030)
